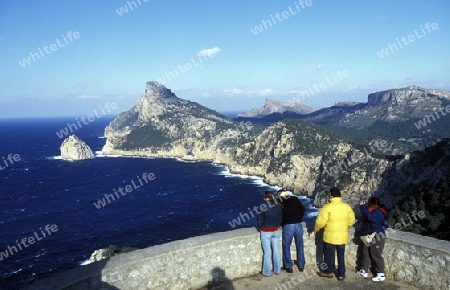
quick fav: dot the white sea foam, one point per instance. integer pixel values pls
(40, 254)
(85, 262)
(15, 271)
(54, 158)
(311, 214)
(186, 161)
(225, 171)
(59, 158)
(113, 156)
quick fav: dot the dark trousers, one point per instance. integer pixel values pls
(374, 254)
(330, 249)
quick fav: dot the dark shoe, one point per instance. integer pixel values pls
(326, 275)
(341, 278)
(289, 270)
(301, 269)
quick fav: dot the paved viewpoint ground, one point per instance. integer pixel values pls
(310, 280)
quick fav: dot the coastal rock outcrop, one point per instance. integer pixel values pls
(98, 255)
(73, 148)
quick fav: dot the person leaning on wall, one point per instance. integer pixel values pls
(374, 223)
(268, 224)
(336, 217)
(293, 212)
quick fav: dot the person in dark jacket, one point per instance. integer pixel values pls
(293, 212)
(268, 223)
(374, 220)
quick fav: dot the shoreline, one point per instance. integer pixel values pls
(229, 172)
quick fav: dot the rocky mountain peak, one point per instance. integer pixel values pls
(404, 95)
(156, 90)
(274, 106)
(346, 104)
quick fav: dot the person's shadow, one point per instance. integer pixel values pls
(359, 250)
(320, 247)
(219, 280)
(92, 274)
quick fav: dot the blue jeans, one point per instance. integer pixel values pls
(329, 258)
(293, 231)
(270, 244)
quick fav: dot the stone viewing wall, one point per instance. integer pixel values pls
(196, 262)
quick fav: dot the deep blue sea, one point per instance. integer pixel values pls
(185, 199)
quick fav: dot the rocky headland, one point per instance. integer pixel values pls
(293, 154)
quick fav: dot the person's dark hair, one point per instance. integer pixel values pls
(373, 200)
(335, 192)
(269, 195)
(383, 206)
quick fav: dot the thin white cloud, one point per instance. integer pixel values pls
(83, 96)
(266, 92)
(209, 52)
(238, 91)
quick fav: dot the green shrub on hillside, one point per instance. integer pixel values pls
(114, 250)
(435, 203)
(143, 137)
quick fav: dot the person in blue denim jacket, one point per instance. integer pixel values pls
(268, 223)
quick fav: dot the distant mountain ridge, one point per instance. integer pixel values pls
(273, 106)
(413, 118)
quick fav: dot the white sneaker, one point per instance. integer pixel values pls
(379, 277)
(362, 273)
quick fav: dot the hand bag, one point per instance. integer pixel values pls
(367, 239)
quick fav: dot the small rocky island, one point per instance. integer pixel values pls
(73, 148)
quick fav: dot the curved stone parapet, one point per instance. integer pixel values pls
(196, 262)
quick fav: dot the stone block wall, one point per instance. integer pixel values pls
(196, 262)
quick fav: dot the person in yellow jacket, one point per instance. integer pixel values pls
(336, 217)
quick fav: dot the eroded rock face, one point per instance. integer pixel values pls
(73, 148)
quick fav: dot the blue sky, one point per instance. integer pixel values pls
(311, 43)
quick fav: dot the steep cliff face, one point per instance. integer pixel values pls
(308, 160)
(410, 95)
(74, 148)
(417, 172)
